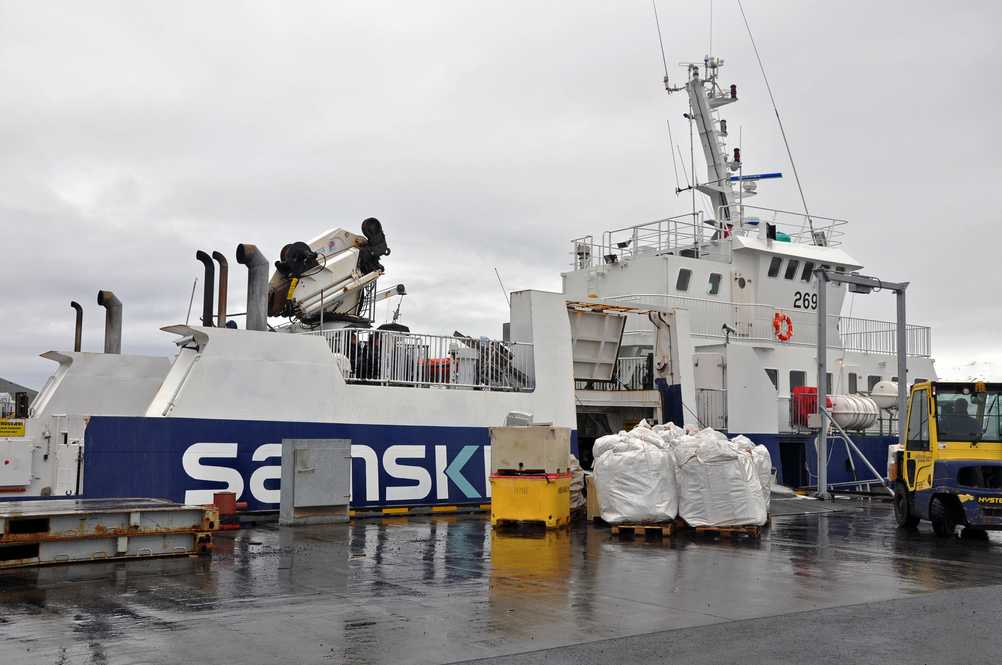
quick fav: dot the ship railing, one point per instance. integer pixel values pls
(391, 358)
(632, 373)
(755, 322)
(684, 235)
(796, 227)
(711, 407)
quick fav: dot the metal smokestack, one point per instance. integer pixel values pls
(209, 283)
(112, 321)
(78, 328)
(224, 278)
(257, 285)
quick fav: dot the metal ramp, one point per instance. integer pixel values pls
(50, 531)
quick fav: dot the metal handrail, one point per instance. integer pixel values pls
(385, 357)
(753, 321)
(830, 227)
(690, 231)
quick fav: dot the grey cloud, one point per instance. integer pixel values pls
(482, 134)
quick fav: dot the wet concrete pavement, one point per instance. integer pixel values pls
(446, 589)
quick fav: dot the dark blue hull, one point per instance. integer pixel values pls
(186, 460)
(795, 457)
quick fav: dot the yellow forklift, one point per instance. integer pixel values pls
(949, 471)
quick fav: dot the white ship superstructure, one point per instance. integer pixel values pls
(746, 276)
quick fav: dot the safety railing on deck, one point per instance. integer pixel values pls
(632, 373)
(686, 235)
(385, 357)
(693, 235)
(794, 227)
(756, 322)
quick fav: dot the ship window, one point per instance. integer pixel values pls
(714, 287)
(871, 381)
(828, 383)
(791, 268)
(808, 271)
(853, 383)
(839, 268)
(798, 378)
(682, 283)
(774, 377)
(774, 266)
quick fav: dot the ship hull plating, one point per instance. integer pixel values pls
(188, 459)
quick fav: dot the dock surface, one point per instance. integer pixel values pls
(836, 586)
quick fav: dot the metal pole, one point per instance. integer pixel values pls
(902, 361)
(850, 442)
(822, 348)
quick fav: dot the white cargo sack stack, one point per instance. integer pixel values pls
(635, 477)
(718, 482)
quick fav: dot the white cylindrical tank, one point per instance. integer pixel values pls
(853, 412)
(885, 394)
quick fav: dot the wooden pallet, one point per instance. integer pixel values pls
(660, 530)
(732, 532)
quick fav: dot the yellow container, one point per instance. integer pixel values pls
(543, 498)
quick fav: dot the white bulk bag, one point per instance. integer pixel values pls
(763, 464)
(718, 484)
(644, 433)
(636, 484)
(605, 443)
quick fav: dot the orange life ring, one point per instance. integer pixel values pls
(782, 324)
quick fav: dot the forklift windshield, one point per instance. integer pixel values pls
(965, 415)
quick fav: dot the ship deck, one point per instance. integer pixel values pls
(833, 586)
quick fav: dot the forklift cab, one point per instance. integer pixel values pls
(949, 470)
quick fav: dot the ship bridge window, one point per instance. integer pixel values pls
(791, 268)
(839, 268)
(808, 271)
(682, 283)
(774, 266)
(714, 286)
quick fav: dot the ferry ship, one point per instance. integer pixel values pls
(737, 287)
(416, 407)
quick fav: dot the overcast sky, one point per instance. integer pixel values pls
(482, 134)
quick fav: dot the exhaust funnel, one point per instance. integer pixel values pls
(208, 284)
(112, 321)
(257, 285)
(224, 279)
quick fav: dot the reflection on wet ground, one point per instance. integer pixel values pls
(442, 589)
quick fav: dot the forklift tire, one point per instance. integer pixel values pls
(903, 507)
(974, 533)
(941, 515)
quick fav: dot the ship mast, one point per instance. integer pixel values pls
(705, 97)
